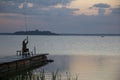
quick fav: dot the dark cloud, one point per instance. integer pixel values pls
(61, 11)
(101, 5)
(8, 7)
(51, 12)
(116, 11)
(40, 2)
(12, 6)
(101, 11)
(51, 2)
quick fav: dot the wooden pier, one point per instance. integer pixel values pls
(16, 63)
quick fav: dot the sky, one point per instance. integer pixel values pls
(61, 16)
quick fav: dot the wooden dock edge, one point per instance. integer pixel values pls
(28, 62)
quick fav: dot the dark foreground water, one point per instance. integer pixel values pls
(88, 57)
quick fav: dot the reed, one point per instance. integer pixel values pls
(41, 75)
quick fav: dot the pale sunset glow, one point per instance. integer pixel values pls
(85, 6)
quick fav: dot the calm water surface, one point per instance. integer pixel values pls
(90, 57)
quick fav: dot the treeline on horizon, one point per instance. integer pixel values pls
(35, 32)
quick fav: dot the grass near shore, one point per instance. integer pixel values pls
(42, 75)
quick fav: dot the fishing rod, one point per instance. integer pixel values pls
(25, 18)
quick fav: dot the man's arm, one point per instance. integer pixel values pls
(27, 40)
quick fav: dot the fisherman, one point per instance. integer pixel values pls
(25, 50)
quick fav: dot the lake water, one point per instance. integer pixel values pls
(89, 57)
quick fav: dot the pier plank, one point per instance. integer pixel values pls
(13, 58)
(11, 64)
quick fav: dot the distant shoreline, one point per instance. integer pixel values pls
(48, 33)
(102, 35)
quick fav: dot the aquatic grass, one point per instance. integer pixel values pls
(54, 75)
(68, 76)
(42, 75)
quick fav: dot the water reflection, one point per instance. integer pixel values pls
(61, 63)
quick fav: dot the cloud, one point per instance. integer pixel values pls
(50, 12)
(39, 2)
(9, 7)
(102, 8)
(101, 5)
(32, 7)
(115, 11)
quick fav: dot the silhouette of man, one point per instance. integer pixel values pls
(24, 46)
